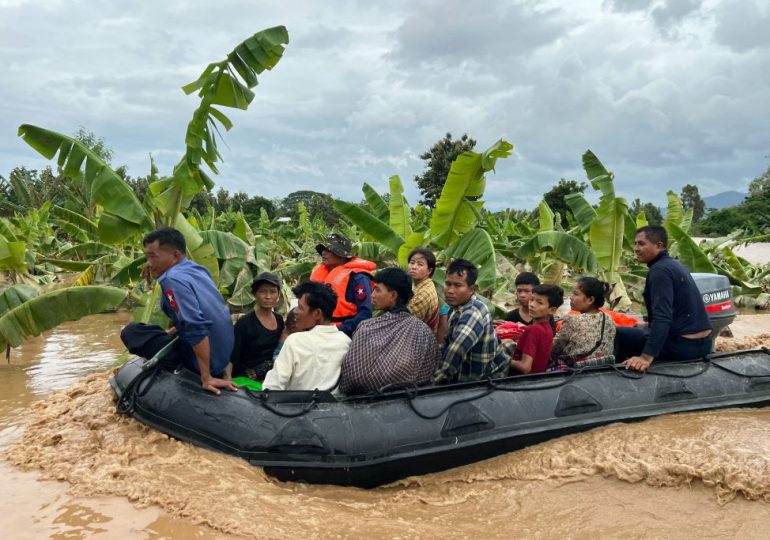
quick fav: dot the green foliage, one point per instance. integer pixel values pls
(691, 200)
(439, 159)
(558, 197)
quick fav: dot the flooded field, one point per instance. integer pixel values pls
(72, 468)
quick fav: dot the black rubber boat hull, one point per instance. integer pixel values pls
(372, 440)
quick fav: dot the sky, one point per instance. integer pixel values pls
(665, 93)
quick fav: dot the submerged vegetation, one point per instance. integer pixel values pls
(89, 218)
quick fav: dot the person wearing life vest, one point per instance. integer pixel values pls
(351, 279)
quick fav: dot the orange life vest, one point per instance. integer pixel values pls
(338, 278)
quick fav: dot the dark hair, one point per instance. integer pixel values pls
(319, 296)
(463, 268)
(527, 278)
(654, 233)
(430, 258)
(554, 293)
(166, 236)
(397, 280)
(594, 288)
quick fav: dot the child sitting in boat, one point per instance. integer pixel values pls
(393, 349)
(310, 359)
(524, 283)
(587, 338)
(533, 349)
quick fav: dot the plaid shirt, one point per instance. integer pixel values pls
(471, 349)
(424, 303)
(394, 348)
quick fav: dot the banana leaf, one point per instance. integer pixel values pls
(131, 272)
(122, 214)
(84, 224)
(86, 277)
(687, 220)
(581, 209)
(416, 239)
(13, 256)
(242, 230)
(400, 215)
(545, 216)
(476, 246)
(50, 309)
(641, 220)
(231, 250)
(675, 213)
(86, 249)
(564, 247)
(372, 226)
(378, 205)
(15, 296)
(606, 232)
(149, 311)
(690, 254)
(598, 175)
(465, 184)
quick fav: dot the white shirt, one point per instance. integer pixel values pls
(309, 360)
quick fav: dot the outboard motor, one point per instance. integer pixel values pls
(718, 298)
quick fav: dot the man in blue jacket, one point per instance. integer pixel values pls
(198, 313)
(678, 327)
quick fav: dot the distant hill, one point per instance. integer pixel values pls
(724, 199)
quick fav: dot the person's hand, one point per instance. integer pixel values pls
(638, 363)
(171, 331)
(498, 322)
(146, 273)
(284, 334)
(641, 324)
(213, 384)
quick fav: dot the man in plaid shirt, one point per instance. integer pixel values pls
(471, 349)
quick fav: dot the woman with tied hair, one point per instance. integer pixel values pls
(424, 302)
(587, 338)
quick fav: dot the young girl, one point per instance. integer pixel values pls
(257, 333)
(424, 303)
(589, 336)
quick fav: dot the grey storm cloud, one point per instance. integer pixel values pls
(665, 92)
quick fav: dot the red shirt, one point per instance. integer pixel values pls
(537, 342)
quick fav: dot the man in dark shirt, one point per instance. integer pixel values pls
(678, 327)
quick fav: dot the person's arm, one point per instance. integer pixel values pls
(464, 336)
(196, 332)
(529, 344)
(359, 292)
(661, 287)
(523, 366)
(564, 336)
(236, 357)
(279, 377)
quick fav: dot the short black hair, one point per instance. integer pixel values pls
(554, 293)
(395, 279)
(463, 268)
(594, 288)
(430, 258)
(654, 233)
(166, 236)
(527, 278)
(319, 296)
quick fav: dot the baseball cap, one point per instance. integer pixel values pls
(337, 244)
(265, 277)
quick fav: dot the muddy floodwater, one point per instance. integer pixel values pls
(71, 468)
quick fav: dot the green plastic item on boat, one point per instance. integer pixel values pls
(245, 382)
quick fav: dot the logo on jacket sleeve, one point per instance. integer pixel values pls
(172, 301)
(360, 293)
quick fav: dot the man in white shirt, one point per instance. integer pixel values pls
(310, 358)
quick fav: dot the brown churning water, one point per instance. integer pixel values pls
(690, 475)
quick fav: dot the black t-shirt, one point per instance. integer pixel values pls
(254, 345)
(515, 316)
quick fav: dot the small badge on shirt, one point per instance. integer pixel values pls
(172, 301)
(360, 293)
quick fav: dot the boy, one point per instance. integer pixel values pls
(533, 349)
(525, 282)
(471, 349)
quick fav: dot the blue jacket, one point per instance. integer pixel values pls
(196, 309)
(674, 304)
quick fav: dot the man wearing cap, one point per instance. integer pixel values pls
(258, 332)
(350, 277)
(198, 313)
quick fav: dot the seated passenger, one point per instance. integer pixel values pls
(424, 303)
(590, 336)
(533, 350)
(471, 350)
(257, 333)
(524, 284)
(310, 359)
(395, 348)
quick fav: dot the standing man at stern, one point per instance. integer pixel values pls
(350, 277)
(198, 313)
(677, 327)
